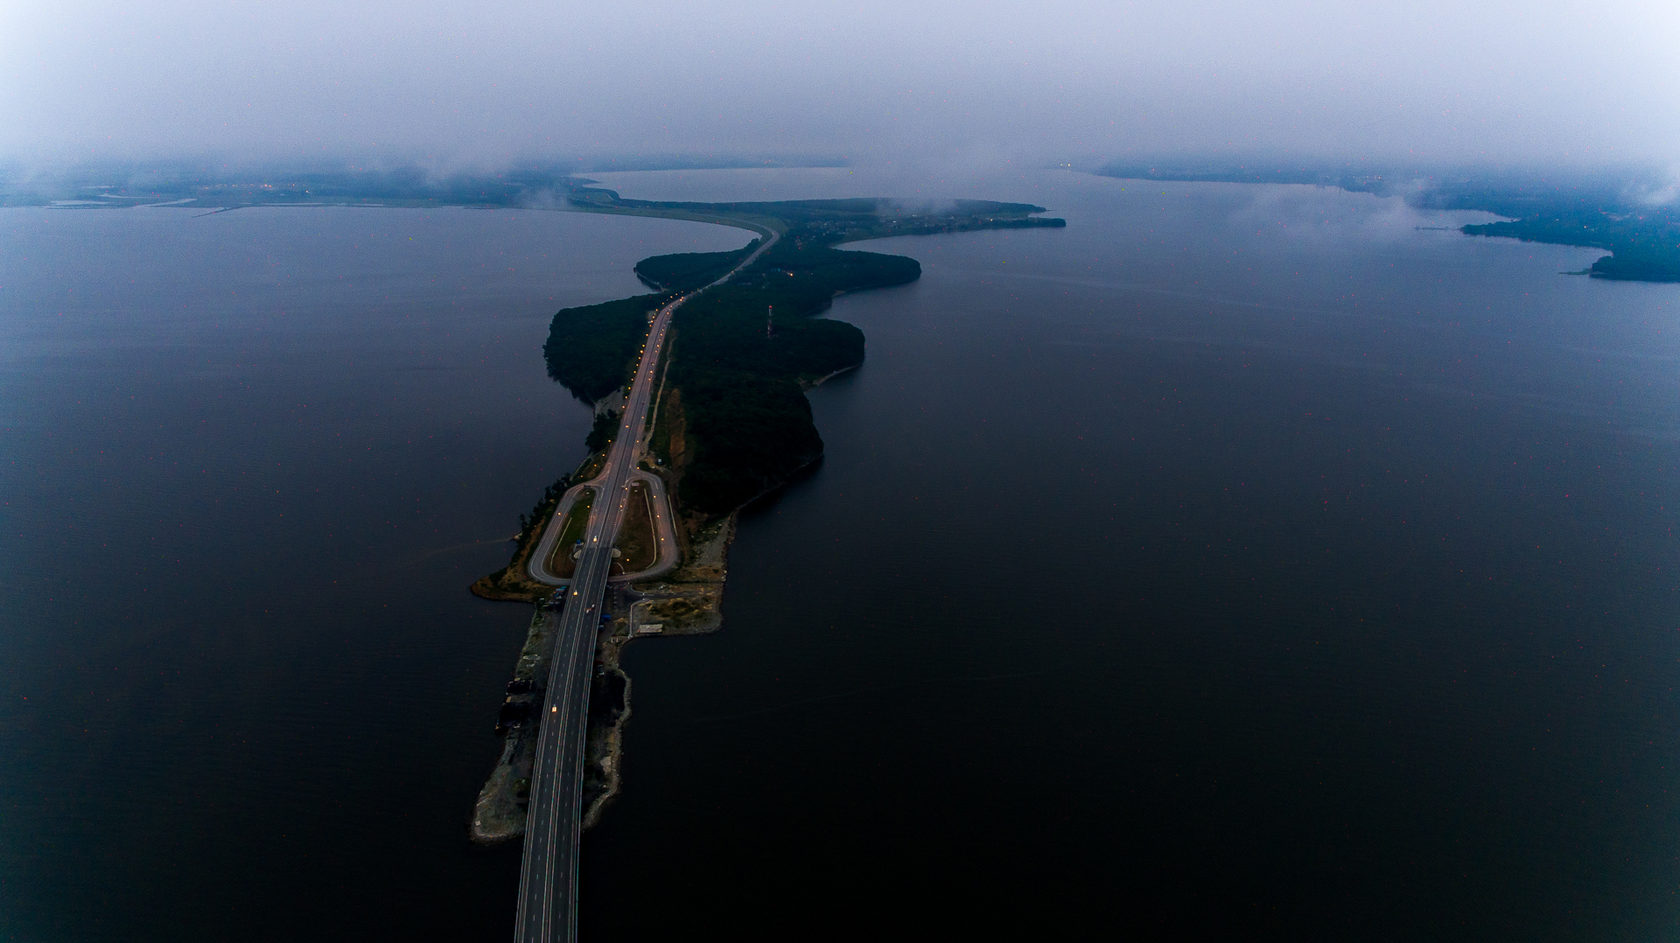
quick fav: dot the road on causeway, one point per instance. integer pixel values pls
(553, 820)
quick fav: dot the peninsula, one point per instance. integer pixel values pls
(720, 421)
(727, 422)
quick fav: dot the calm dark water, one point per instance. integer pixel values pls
(251, 462)
(1238, 559)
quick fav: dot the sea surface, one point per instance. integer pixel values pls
(1258, 561)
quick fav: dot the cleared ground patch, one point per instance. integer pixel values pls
(638, 542)
(577, 518)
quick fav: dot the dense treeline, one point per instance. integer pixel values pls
(832, 221)
(726, 328)
(1644, 246)
(749, 425)
(601, 432)
(544, 507)
(686, 271)
(591, 349)
(741, 372)
(741, 375)
(1633, 266)
(748, 434)
(802, 267)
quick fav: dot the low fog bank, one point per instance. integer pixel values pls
(930, 180)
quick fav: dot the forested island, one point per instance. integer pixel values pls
(1605, 211)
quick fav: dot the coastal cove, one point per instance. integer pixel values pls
(1246, 560)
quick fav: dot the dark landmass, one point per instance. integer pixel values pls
(1644, 247)
(734, 419)
(591, 349)
(1602, 211)
(686, 271)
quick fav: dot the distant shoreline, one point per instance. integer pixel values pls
(1643, 242)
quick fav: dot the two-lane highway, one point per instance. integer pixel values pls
(553, 823)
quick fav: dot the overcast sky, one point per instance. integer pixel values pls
(466, 83)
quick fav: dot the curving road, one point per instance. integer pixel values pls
(553, 822)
